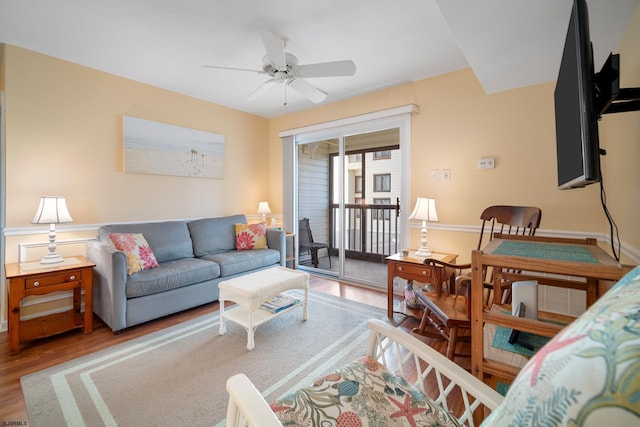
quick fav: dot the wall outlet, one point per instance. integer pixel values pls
(486, 163)
(434, 174)
(446, 175)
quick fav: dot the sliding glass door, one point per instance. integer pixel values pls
(351, 189)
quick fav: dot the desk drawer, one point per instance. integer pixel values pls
(53, 279)
(418, 271)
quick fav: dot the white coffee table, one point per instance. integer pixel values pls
(251, 290)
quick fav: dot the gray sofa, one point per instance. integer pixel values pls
(193, 257)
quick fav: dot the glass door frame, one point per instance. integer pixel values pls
(399, 117)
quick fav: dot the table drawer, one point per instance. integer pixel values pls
(53, 279)
(414, 270)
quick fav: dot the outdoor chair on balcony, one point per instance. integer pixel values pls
(307, 245)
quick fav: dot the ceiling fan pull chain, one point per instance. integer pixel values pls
(285, 94)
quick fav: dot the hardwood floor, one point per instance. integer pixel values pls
(54, 350)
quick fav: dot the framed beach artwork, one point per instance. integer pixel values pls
(163, 149)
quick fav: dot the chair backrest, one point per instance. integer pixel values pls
(522, 220)
(304, 233)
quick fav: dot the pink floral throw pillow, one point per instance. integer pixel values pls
(251, 236)
(136, 249)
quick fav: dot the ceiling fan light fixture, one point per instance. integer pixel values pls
(283, 68)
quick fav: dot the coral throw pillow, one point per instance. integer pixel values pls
(251, 236)
(137, 250)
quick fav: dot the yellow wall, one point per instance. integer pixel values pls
(620, 136)
(459, 124)
(64, 137)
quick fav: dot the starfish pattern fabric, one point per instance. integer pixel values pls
(406, 410)
(361, 393)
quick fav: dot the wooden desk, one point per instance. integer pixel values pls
(410, 268)
(532, 254)
(33, 278)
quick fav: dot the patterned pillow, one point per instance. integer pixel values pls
(588, 374)
(251, 236)
(137, 250)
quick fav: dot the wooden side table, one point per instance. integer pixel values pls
(410, 268)
(33, 278)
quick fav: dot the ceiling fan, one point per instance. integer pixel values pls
(283, 68)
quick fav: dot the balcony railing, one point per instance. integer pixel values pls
(372, 231)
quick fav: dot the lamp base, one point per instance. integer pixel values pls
(424, 252)
(52, 258)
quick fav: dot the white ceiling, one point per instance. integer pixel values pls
(507, 43)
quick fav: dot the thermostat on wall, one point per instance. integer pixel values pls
(486, 163)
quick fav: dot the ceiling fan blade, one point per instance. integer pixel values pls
(308, 90)
(261, 89)
(275, 50)
(327, 69)
(233, 69)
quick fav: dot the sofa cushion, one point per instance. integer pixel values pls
(136, 249)
(214, 235)
(170, 275)
(251, 236)
(588, 373)
(234, 262)
(169, 240)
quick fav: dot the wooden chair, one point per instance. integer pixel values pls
(306, 243)
(446, 312)
(504, 219)
(448, 309)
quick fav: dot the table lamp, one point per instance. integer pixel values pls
(424, 211)
(52, 210)
(263, 208)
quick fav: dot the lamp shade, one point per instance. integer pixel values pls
(52, 210)
(263, 208)
(425, 210)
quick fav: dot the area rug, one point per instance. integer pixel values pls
(177, 376)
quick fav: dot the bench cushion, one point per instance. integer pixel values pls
(234, 262)
(361, 393)
(171, 275)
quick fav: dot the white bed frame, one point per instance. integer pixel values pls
(389, 346)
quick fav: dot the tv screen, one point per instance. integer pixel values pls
(576, 118)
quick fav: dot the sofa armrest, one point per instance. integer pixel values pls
(276, 239)
(109, 284)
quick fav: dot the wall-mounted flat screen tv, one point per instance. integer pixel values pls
(576, 117)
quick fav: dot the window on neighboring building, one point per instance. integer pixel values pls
(384, 154)
(382, 182)
(358, 184)
(376, 212)
(357, 201)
